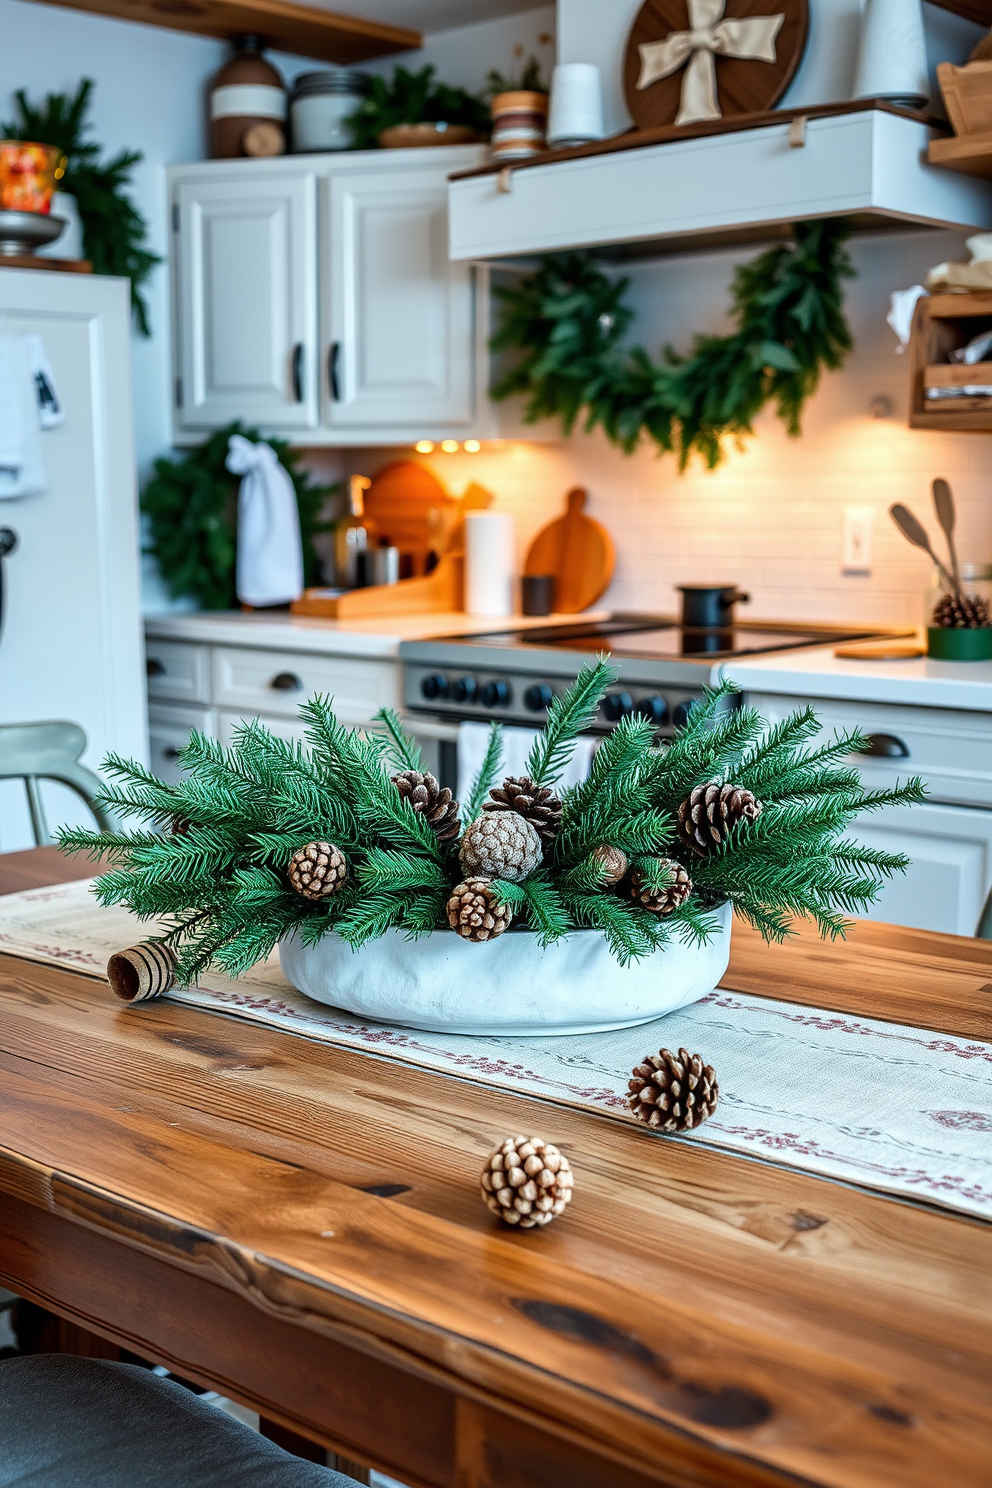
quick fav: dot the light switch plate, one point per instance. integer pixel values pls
(858, 525)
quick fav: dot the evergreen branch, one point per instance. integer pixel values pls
(402, 750)
(568, 716)
(486, 776)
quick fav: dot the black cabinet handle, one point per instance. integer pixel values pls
(154, 668)
(298, 371)
(286, 682)
(333, 356)
(883, 746)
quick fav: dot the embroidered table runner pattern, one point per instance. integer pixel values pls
(882, 1105)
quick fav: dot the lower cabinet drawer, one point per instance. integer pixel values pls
(276, 683)
(283, 728)
(949, 876)
(168, 733)
(178, 671)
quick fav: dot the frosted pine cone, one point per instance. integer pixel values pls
(475, 912)
(611, 862)
(501, 845)
(317, 871)
(710, 811)
(673, 1092)
(970, 612)
(429, 800)
(526, 1182)
(667, 899)
(537, 804)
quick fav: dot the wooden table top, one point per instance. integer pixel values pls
(695, 1318)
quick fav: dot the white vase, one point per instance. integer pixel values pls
(69, 243)
(576, 110)
(506, 987)
(892, 60)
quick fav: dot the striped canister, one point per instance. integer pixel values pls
(519, 123)
(142, 971)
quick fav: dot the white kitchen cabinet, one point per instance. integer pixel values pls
(246, 297)
(950, 867)
(168, 733)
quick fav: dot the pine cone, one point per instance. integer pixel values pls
(502, 845)
(970, 612)
(611, 862)
(432, 801)
(670, 897)
(317, 871)
(673, 1092)
(537, 804)
(710, 811)
(526, 1182)
(475, 913)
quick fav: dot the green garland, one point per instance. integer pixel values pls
(568, 320)
(191, 507)
(213, 860)
(414, 98)
(113, 228)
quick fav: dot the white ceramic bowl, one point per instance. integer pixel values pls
(508, 986)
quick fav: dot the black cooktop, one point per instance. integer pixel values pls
(658, 636)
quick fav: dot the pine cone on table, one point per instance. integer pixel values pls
(611, 862)
(317, 871)
(970, 612)
(501, 845)
(537, 804)
(526, 1182)
(430, 800)
(670, 896)
(475, 912)
(710, 811)
(673, 1092)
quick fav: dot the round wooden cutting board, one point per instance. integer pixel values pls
(744, 85)
(578, 551)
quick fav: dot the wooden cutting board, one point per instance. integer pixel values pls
(407, 503)
(578, 551)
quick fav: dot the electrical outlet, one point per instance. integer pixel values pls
(858, 524)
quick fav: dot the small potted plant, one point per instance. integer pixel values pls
(411, 110)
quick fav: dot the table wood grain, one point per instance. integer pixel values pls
(298, 1226)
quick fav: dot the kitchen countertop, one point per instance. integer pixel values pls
(817, 672)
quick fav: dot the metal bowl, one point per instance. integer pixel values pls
(26, 232)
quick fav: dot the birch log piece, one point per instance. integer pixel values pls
(142, 971)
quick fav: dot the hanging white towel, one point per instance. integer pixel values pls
(472, 741)
(50, 410)
(270, 549)
(22, 472)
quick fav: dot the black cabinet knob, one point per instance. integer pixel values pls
(463, 690)
(286, 682)
(680, 714)
(884, 746)
(617, 705)
(495, 694)
(654, 709)
(154, 667)
(537, 697)
(434, 686)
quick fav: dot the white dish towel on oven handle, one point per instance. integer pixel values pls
(473, 738)
(270, 549)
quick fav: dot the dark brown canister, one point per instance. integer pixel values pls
(247, 105)
(520, 120)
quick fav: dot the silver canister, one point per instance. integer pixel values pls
(385, 565)
(319, 107)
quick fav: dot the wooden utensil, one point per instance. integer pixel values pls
(943, 505)
(578, 551)
(915, 534)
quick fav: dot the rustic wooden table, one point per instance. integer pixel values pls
(298, 1227)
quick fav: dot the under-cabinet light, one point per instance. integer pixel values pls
(424, 446)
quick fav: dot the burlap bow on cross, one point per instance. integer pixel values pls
(711, 36)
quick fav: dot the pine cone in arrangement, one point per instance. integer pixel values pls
(501, 845)
(611, 862)
(526, 1182)
(428, 798)
(475, 912)
(710, 811)
(667, 899)
(673, 1092)
(537, 804)
(317, 871)
(970, 612)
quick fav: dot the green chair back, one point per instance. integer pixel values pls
(34, 752)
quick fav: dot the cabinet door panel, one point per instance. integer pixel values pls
(247, 301)
(401, 315)
(950, 867)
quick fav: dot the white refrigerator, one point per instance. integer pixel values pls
(71, 646)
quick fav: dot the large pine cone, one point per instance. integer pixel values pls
(673, 1092)
(611, 862)
(667, 899)
(430, 800)
(475, 912)
(537, 804)
(503, 845)
(710, 811)
(970, 612)
(526, 1182)
(317, 871)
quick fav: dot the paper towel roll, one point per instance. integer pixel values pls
(489, 561)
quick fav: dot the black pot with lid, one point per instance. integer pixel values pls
(710, 606)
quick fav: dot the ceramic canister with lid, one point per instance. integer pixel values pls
(320, 106)
(247, 105)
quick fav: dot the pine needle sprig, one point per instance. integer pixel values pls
(402, 749)
(568, 715)
(485, 777)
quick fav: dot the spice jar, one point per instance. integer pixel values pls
(321, 104)
(247, 105)
(519, 122)
(959, 617)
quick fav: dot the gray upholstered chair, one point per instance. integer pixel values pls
(67, 1422)
(33, 752)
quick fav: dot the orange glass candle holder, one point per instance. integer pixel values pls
(29, 174)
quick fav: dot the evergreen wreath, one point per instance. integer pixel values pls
(270, 837)
(113, 228)
(568, 320)
(414, 98)
(191, 507)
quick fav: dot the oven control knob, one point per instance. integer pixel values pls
(537, 697)
(463, 690)
(680, 714)
(495, 694)
(654, 709)
(434, 686)
(617, 705)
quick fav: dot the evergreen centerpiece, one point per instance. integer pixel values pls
(344, 840)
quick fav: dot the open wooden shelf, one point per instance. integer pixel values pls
(942, 323)
(301, 29)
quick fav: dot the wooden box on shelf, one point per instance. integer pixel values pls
(942, 324)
